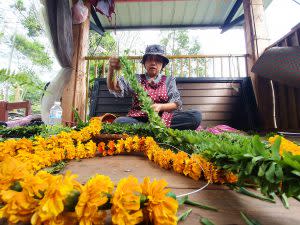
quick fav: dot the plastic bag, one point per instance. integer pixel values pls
(79, 12)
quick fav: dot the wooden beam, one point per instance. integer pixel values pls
(257, 40)
(74, 95)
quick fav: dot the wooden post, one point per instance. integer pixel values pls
(74, 95)
(256, 37)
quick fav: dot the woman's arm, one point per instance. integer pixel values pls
(165, 107)
(113, 84)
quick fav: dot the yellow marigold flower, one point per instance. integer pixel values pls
(19, 206)
(11, 170)
(193, 167)
(286, 145)
(230, 177)
(120, 146)
(128, 144)
(126, 202)
(93, 195)
(7, 148)
(179, 162)
(52, 203)
(91, 149)
(160, 209)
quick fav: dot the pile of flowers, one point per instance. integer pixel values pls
(286, 145)
(47, 199)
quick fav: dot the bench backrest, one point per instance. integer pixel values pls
(221, 101)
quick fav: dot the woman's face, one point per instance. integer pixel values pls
(153, 65)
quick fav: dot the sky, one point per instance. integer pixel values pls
(280, 17)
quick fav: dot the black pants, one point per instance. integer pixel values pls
(182, 120)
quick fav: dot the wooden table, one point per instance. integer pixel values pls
(228, 202)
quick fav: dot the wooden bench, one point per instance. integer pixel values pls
(5, 107)
(221, 100)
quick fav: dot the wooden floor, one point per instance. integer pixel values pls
(226, 201)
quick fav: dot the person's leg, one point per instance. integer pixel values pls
(126, 119)
(186, 120)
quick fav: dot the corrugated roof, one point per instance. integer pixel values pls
(141, 14)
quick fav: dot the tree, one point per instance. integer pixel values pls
(177, 42)
(31, 53)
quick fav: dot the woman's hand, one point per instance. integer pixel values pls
(168, 107)
(158, 107)
(114, 63)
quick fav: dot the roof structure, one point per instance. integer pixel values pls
(143, 14)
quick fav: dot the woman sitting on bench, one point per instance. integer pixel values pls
(161, 89)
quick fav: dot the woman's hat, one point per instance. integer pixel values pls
(155, 50)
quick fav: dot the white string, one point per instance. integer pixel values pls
(195, 191)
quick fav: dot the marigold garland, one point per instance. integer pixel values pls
(193, 166)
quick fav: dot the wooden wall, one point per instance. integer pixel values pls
(221, 101)
(287, 99)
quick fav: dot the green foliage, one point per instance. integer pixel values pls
(34, 50)
(100, 43)
(21, 132)
(178, 42)
(19, 5)
(32, 24)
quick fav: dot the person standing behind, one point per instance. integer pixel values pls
(160, 88)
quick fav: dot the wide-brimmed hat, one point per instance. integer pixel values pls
(155, 50)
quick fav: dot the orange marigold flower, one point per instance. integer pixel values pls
(126, 202)
(160, 209)
(94, 194)
(101, 147)
(179, 162)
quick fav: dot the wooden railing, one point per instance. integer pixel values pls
(5, 107)
(182, 65)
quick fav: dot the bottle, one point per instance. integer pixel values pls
(55, 115)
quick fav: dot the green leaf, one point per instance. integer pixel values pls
(270, 173)
(244, 191)
(171, 194)
(189, 202)
(275, 149)
(184, 215)
(291, 160)
(285, 201)
(248, 220)
(262, 169)
(297, 173)
(182, 200)
(206, 221)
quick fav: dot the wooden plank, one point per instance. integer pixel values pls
(282, 97)
(212, 123)
(100, 108)
(292, 108)
(209, 100)
(206, 86)
(3, 111)
(277, 106)
(211, 108)
(196, 86)
(115, 102)
(230, 204)
(213, 116)
(298, 105)
(212, 92)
